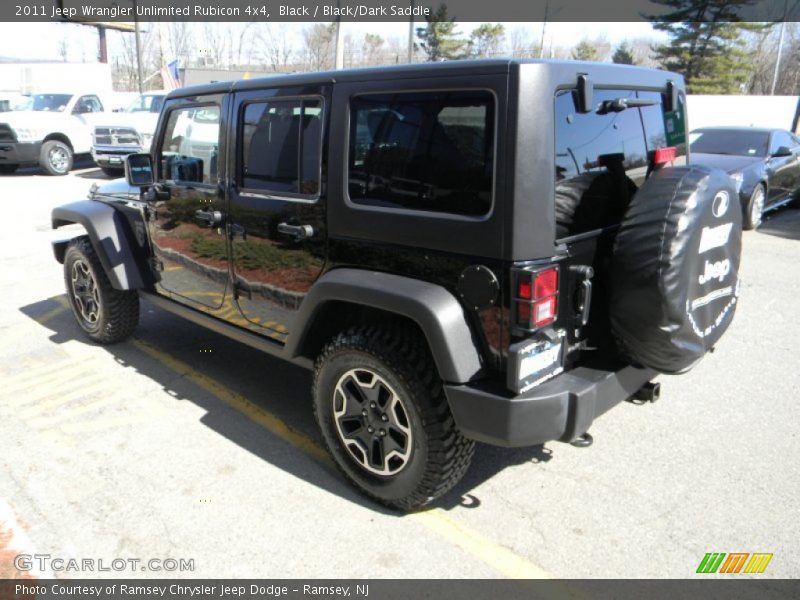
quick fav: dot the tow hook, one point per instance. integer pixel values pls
(649, 392)
(582, 441)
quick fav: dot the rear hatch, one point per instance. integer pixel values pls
(559, 312)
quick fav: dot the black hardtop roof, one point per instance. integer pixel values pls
(453, 67)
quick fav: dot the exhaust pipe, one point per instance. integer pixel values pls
(649, 392)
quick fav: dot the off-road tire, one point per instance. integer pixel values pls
(752, 220)
(117, 311)
(56, 158)
(112, 172)
(440, 454)
(8, 169)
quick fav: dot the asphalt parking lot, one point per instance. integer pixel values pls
(181, 444)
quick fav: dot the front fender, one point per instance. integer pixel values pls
(111, 236)
(435, 310)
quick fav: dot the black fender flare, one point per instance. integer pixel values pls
(111, 237)
(435, 310)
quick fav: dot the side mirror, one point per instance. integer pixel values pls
(782, 151)
(139, 170)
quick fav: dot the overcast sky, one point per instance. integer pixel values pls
(40, 41)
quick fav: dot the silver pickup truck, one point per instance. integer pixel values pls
(127, 132)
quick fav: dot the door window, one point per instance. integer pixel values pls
(429, 151)
(281, 146)
(779, 139)
(88, 104)
(190, 149)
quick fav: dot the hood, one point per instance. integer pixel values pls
(726, 162)
(31, 119)
(116, 188)
(142, 122)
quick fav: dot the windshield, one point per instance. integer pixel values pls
(736, 142)
(45, 102)
(147, 103)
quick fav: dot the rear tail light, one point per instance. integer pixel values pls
(536, 297)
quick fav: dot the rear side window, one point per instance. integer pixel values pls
(281, 146)
(603, 157)
(427, 151)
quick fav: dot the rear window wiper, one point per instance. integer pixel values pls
(620, 104)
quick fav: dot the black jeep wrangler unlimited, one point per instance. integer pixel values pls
(497, 251)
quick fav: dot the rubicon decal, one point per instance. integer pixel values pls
(734, 563)
(714, 237)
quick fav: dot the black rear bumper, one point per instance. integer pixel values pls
(560, 409)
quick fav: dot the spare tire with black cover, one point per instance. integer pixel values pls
(675, 269)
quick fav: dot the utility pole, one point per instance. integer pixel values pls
(138, 50)
(339, 38)
(780, 48)
(544, 29)
(411, 35)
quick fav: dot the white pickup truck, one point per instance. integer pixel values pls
(48, 130)
(121, 133)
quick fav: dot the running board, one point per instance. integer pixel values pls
(265, 344)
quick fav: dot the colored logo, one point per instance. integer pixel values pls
(720, 205)
(734, 563)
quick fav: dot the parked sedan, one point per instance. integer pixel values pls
(765, 163)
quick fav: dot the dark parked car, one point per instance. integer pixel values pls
(765, 163)
(498, 251)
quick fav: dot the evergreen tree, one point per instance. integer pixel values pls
(486, 40)
(584, 51)
(705, 44)
(439, 38)
(623, 55)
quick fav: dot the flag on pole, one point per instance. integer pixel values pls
(169, 75)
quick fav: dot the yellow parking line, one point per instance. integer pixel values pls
(50, 314)
(52, 420)
(498, 557)
(87, 388)
(95, 425)
(267, 420)
(35, 373)
(34, 390)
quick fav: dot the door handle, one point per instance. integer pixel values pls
(211, 218)
(298, 232)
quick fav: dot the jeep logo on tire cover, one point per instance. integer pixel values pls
(720, 204)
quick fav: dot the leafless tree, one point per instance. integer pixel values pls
(215, 44)
(371, 48)
(124, 72)
(520, 44)
(273, 47)
(179, 42)
(63, 49)
(318, 46)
